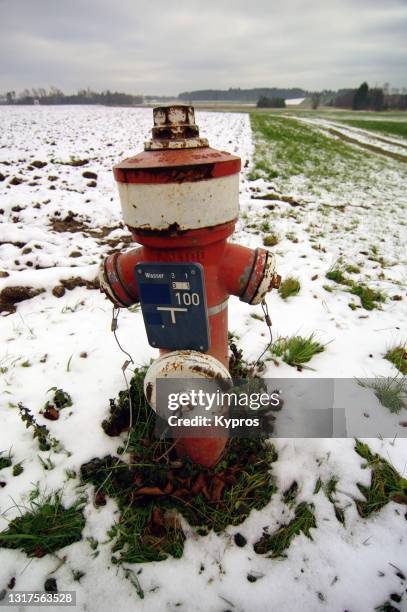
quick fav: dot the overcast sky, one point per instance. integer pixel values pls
(150, 46)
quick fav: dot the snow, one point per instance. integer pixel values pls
(342, 567)
(294, 101)
(382, 141)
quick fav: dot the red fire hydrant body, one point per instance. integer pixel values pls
(229, 269)
(180, 200)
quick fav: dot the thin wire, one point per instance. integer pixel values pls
(114, 325)
(267, 320)
(127, 362)
(115, 317)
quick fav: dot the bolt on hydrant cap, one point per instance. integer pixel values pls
(175, 128)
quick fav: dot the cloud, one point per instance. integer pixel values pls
(151, 46)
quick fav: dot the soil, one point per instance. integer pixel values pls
(10, 296)
(72, 225)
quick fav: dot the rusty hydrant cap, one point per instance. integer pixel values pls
(175, 128)
(178, 181)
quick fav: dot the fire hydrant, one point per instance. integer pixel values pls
(180, 201)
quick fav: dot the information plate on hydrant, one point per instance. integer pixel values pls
(173, 302)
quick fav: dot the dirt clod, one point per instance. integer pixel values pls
(16, 181)
(240, 540)
(51, 413)
(10, 296)
(12, 583)
(78, 281)
(88, 174)
(58, 291)
(73, 225)
(38, 164)
(100, 499)
(50, 585)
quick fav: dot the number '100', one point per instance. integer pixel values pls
(188, 298)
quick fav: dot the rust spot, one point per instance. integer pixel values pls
(176, 166)
(206, 371)
(182, 174)
(171, 230)
(149, 392)
(224, 383)
(275, 281)
(175, 132)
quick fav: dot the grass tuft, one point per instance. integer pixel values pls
(5, 462)
(290, 286)
(398, 357)
(369, 298)
(351, 269)
(329, 488)
(61, 399)
(280, 540)
(46, 527)
(18, 469)
(296, 350)
(386, 484)
(271, 240)
(157, 487)
(337, 275)
(391, 392)
(290, 495)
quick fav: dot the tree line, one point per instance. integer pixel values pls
(362, 98)
(83, 96)
(369, 98)
(235, 94)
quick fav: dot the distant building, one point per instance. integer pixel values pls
(294, 101)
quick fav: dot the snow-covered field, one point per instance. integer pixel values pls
(57, 225)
